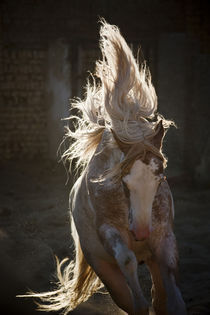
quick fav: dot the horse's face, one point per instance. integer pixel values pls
(142, 182)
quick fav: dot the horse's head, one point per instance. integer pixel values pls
(142, 180)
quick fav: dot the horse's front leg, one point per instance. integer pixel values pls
(166, 296)
(116, 245)
(158, 292)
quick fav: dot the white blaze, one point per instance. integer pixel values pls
(142, 184)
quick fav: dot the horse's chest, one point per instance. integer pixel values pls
(142, 251)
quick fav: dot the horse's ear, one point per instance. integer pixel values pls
(122, 146)
(158, 138)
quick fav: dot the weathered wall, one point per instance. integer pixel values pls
(22, 108)
(46, 50)
(57, 93)
(172, 94)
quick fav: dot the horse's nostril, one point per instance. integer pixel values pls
(133, 235)
(136, 238)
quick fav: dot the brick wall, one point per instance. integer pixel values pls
(29, 27)
(22, 108)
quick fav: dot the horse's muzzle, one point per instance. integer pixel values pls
(141, 233)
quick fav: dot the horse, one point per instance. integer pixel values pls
(121, 204)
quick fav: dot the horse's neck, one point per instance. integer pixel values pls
(106, 195)
(106, 156)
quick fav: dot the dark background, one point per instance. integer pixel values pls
(46, 50)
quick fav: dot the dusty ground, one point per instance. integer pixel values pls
(34, 225)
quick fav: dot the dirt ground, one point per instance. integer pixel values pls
(34, 226)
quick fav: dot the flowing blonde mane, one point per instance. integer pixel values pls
(124, 101)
